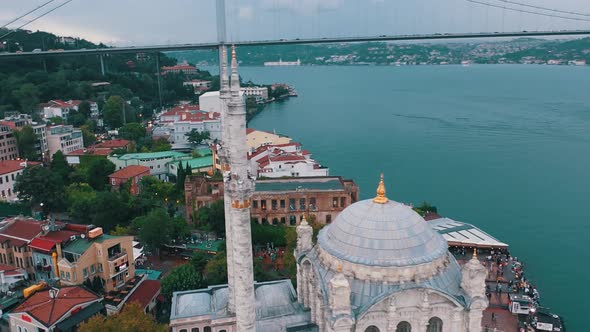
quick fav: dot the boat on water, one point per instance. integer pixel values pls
(282, 63)
(466, 63)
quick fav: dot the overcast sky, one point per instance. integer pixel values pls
(150, 22)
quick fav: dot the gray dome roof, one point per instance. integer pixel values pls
(389, 234)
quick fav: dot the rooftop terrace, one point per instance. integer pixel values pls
(300, 184)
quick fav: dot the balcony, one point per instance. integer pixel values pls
(117, 255)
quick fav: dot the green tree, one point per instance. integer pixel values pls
(196, 137)
(216, 269)
(38, 185)
(76, 119)
(81, 200)
(132, 131)
(131, 318)
(155, 228)
(110, 210)
(84, 109)
(60, 166)
(28, 97)
(97, 285)
(26, 140)
(214, 217)
(113, 112)
(98, 171)
(199, 261)
(180, 177)
(179, 229)
(182, 278)
(87, 135)
(161, 144)
(57, 120)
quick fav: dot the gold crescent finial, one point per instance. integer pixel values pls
(381, 198)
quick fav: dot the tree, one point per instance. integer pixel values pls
(199, 261)
(26, 140)
(38, 185)
(81, 200)
(180, 177)
(214, 217)
(154, 228)
(184, 277)
(84, 109)
(216, 269)
(60, 166)
(196, 138)
(113, 112)
(88, 135)
(28, 97)
(161, 144)
(57, 120)
(131, 318)
(132, 131)
(97, 285)
(110, 210)
(98, 171)
(76, 119)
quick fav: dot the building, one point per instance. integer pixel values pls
(55, 309)
(132, 173)
(199, 121)
(211, 102)
(11, 277)
(8, 146)
(97, 255)
(62, 108)
(203, 164)
(260, 93)
(47, 248)
(146, 295)
(9, 171)
(64, 138)
(257, 138)
(199, 86)
(16, 121)
(102, 149)
(285, 160)
(157, 162)
(15, 236)
(183, 68)
(175, 113)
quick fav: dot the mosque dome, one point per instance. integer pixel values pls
(381, 232)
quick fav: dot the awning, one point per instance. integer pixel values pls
(80, 316)
(42, 244)
(462, 234)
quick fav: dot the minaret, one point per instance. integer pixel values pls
(224, 97)
(238, 191)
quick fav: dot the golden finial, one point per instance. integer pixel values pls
(475, 253)
(340, 268)
(381, 198)
(233, 52)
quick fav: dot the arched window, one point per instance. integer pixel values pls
(403, 327)
(435, 324)
(207, 329)
(195, 329)
(372, 328)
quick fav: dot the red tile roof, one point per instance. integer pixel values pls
(48, 311)
(42, 244)
(9, 166)
(21, 231)
(90, 151)
(145, 292)
(112, 144)
(10, 270)
(130, 171)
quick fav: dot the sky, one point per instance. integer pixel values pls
(158, 22)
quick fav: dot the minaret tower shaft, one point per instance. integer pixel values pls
(239, 186)
(225, 96)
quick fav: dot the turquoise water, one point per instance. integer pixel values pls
(506, 148)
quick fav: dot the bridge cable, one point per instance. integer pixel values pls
(528, 11)
(544, 8)
(27, 13)
(36, 18)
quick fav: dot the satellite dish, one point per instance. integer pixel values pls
(46, 227)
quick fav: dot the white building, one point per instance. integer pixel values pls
(284, 160)
(8, 146)
(63, 108)
(257, 138)
(201, 122)
(64, 138)
(198, 85)
(210, 102)
(258, 92)
(156, 161)
(9, 170)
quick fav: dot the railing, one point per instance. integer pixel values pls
(117, 255)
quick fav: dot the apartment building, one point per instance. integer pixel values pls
(8, 146)
(95, 254)
(64, 138)
(16, 234)
(16, 121)
(9, 171)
